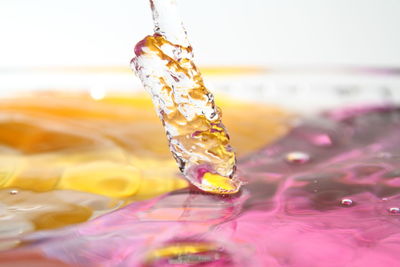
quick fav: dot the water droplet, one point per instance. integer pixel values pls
(346, 202)
(394, 210)
(297, 157)
(13, 192)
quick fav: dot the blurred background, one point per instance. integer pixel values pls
(223, 32)
(277, 37)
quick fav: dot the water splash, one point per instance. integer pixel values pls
(197, 138)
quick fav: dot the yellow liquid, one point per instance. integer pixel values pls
(66, 158)
(197, 137)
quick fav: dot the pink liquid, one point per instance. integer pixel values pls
(327, 194)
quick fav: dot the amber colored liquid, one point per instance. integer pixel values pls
(66, 158)
(197, 137)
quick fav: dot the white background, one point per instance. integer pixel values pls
(223, 32)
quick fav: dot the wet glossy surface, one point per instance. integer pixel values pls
(338, 208)
(67, 158)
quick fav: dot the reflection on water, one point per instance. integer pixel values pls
(65, 159)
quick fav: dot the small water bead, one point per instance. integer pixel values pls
(347, 202)
(394, 210)
(297, 157)
(13, 192)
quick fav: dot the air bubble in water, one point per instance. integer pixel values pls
(297, 157)
(347, 202)
(13, 192)
(394, 210)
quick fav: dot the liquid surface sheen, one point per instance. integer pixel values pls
(326, 194)
(68, 158)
